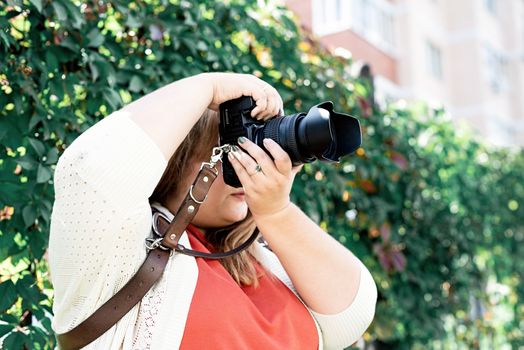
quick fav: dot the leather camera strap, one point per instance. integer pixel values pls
(160, 249)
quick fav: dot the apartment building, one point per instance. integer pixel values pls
(467, 55)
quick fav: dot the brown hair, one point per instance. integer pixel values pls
(198, 145)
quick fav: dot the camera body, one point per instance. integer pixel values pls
(320, 134)
(236, 121)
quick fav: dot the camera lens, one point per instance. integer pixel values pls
(320, 134)
(283, 131)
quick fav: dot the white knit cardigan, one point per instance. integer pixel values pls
(100, 218)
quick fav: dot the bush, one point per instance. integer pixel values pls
(435, 215)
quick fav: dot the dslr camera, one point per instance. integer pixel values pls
(321, 133)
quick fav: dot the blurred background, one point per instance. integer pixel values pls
(432, 203)
(466, 55)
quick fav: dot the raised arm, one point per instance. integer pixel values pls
(123, 156)
(168, 114)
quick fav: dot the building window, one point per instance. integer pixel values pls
(361, 14)
(491, 6)
(338, 10)
(371, 19)
(331, 11)
(330, 16)
(496, 70)
(374, 20)
(434, 60)
(386, 28)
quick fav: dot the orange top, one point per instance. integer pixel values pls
(224, 315)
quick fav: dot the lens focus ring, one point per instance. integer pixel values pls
(282, 130)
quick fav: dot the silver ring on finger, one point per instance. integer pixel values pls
(258, 169)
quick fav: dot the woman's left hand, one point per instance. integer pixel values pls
(267, 182)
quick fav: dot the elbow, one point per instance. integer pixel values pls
(363, 307)
(369, 311)
(372, 292)
(347, 327)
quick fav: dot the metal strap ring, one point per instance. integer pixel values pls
(193, 197)
(155, 225)
(152, 244)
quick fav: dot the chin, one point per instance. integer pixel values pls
(238, 216)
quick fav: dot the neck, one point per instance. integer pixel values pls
(203, 230)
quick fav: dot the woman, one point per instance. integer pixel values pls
(300, 289)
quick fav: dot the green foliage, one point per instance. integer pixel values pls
(436, 215)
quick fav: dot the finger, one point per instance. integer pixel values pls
(272, 108)
(280, 157)
(275, 103)
(273, 99)
(251, 87)
(261, 105)
(248, 87)
(260, 156)
(278, 103)
(245, 160)
(241, 172)
(281, 105)
(296, 169)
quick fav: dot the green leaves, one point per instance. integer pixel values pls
(95, 38)
(29, 214)
(452, 206)
(136, 84)
(60, 10)
(8, 295)
(37, 145)
(37, 4)
(16, 340)
(43, 174)
(51, 61)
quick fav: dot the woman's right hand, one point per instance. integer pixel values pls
(228, 86)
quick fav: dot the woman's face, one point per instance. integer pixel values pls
(224, 205)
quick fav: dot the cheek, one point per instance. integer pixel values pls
(215, 199)
(220, 206)
(216, 192)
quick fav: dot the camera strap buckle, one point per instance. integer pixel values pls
(218, 152)
(216, 156)
(154, 243)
